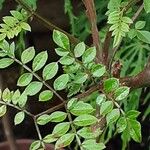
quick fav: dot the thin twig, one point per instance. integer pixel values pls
(91, 14)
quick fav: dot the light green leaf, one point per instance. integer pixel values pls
(127, 20)
(22, 100)
(65, 140)
(5, 62)
(91, 144)
(6, 96)
(44, 119)
(58, 116)
(15, 97)
(72, 102)
(50, 71)
(45, 95)
(121, 124)
(80, 78)
(147, 5)
(67, 60)
(61, 51)
(61, 129)
(25, 26)
(16, 14)
(100, 99)
(61, 82)
(121, 93)
(33, 88)
(81, 108)
(132, 114)
(111, 84)
(49, 138)
(144, 36)
(140, 25)
(3, 110)
(35, 145)
(39, 61)
(25, 79)
(89, 133)
(79, 49)
(61, 39)
(113, 116)
(89, 55)
(106, 107)
(135, 130)
(19, 117)
(27, 55)
(98, 70)
(85, 120)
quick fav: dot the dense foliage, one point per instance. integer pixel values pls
(99, 104)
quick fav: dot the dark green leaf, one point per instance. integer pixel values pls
(132, 114)
(111, 84)
(135, 130)
(121, 124)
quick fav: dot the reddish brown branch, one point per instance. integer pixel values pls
(106, 48)
(91, 14)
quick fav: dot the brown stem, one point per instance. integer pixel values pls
(106, 48)
(138, 81)
(91, 14)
